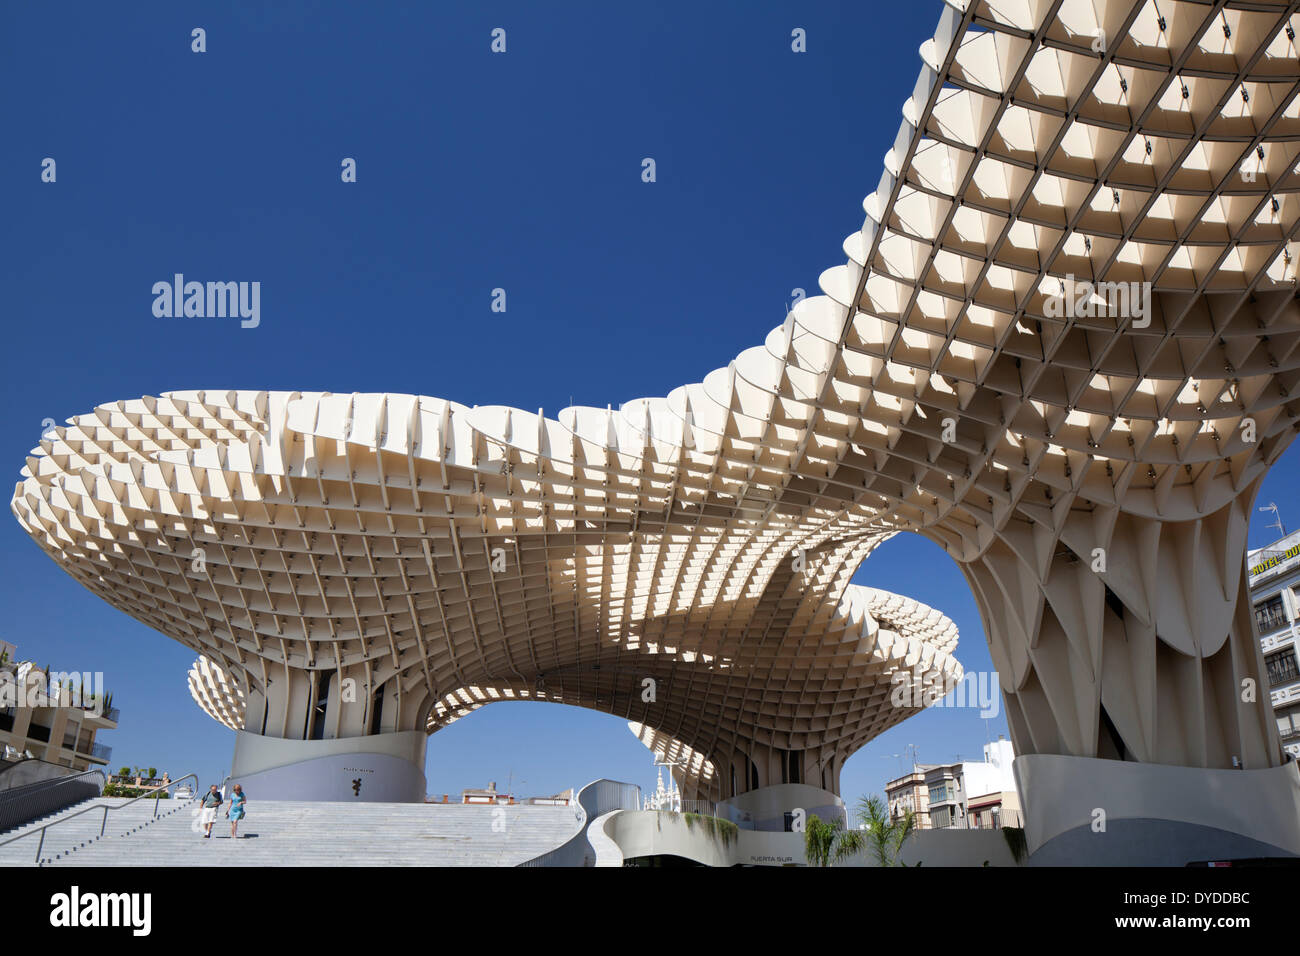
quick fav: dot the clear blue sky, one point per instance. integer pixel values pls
(475, 171)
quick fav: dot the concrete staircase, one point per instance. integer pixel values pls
(82, 829)
(285, 833)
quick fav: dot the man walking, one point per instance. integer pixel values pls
(211, 800)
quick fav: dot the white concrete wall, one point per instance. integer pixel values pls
(389, 766)
(1062, 795)
(951, 848)
(34, 771)
(624, 834)
(994, 774)
(766, 807)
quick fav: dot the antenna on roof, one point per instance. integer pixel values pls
(1277, 519)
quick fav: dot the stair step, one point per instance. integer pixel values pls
(288, 833)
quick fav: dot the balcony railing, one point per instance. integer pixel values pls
(1282, 672)
(1270, 619)
(100, 752)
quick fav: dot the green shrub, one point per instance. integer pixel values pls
(118, 790)
(716, 827)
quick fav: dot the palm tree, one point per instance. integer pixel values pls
(880, 836)
(827, 841)
(819, 839)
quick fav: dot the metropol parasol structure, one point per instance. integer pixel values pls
(1063, 345)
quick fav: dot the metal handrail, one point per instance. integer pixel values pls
(31, 801)
(20, 805)
(50, 782)
(8, 765)
(103, 825)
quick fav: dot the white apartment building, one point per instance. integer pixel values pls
(975, 794)
(1273, 574)
(55, 725)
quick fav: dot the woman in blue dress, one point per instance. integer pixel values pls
(236, 811)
